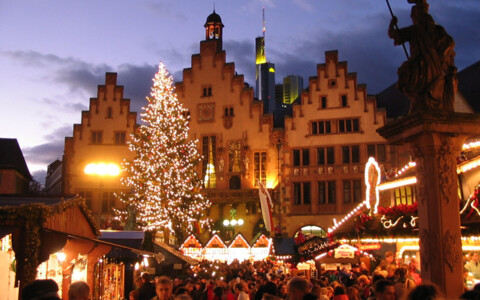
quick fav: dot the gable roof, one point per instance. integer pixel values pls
(11, 157)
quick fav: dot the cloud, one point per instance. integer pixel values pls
(242, 53)
(44, 154)
(137, 81)
(76, 75)
(304, 4)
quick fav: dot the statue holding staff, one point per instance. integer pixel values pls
(428, 77)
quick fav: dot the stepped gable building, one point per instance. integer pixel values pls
(314, 166)
(235, 139)
(92, 156)
(327, 143)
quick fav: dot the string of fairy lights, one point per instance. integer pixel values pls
(165, 188)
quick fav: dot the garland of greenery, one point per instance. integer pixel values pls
(32, 218)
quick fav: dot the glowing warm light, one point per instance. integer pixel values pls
(397, 183)
(240, 222)
(471, 145)
(408, 166)
(216, 250)
(61, 256)
(102, 169)
(271, 183)
(137, 266)
(371, 182)
(226, 222)
(467, 166)
(233, 222)
(348, 216)
(271, 70)
(145, 262)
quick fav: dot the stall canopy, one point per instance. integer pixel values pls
(127, 244)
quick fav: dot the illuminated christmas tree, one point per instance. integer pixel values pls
(165, 188)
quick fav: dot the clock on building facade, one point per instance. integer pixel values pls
(206, 111)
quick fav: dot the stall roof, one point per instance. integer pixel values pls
(172, 252)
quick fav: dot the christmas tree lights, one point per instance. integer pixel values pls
(164, 186)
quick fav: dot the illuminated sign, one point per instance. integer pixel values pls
(366, 247)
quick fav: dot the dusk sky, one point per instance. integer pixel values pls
(54, 53)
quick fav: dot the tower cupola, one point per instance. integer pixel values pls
(213, 27)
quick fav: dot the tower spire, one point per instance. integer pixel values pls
(263, 30)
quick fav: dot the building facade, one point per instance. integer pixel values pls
(235, 138)
(93, 155)
(327, 143)
(314, 166)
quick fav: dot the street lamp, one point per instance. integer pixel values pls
(101, 169)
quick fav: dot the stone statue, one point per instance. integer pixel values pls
(428, 77)
(246, 162)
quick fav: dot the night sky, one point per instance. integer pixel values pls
(54, 53)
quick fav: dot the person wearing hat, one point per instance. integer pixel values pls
(45, 289)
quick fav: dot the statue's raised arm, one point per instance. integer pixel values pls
(428, 77)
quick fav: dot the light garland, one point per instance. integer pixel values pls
(468, 165)
(352, 248)
(471, 145)
(371, 163)
(348, 216)
(407, 167)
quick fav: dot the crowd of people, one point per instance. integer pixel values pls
(265, 280)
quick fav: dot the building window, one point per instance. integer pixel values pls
(301, 193)
(259, 167)
(207, 91)
(326, 192)
(109, 112)
(321, 127)
(208, 162)
(108, 202)
(87, 195)
(350, 154)
(323, 103)
(97, 137)
(404, 195)
(377, 151)
(352, 191)
(344, 101)
(234, 157)
(229, 112)
(348, 125)
(301, 157)
(325, 156)
(120, 138)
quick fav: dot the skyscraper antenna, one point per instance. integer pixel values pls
(263, 30)
(263, 21)
(213, 6)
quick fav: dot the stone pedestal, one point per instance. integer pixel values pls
(435, 139)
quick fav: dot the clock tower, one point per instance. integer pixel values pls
(213, 29)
